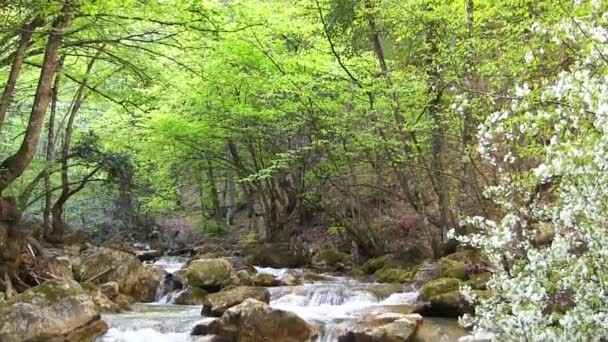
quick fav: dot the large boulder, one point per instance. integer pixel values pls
(253, 321)
(191, 296)
(110, 289)
(438, 287)
(56, 310)
(383, 327)
(217, 303)
(242, 278)
(265, 279)
(331, 259)
(59, 267)
(393, 275)
(444, 299)
(277, 255)
(158, 272)
(104, 304)
(209, 274)
(101, 265)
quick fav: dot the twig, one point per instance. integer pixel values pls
(99, 274)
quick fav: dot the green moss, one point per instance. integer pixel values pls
(358, 272)
(439, 286)
(478, 281)
(331, 257)
(264, 279)
(374, 264)
(452, 268)
(393, 275)
(451, 299)
(198, 293)
(209, 272)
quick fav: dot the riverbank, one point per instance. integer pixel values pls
(167, 298)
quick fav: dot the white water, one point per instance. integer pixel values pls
(326, 303)
(171, 264)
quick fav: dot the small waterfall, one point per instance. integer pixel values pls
(170, 286)
(171, 264)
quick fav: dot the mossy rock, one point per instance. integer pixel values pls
(198, 293)
(358, 272)
(453, 303)
(265, 280)
(48, 312)
(191, 296)
(439, 286)
(312, 276)
(374, 264)
(277, 255)
(209, 274)
(217, 303)
(452, 268)
(393, 275)
(104, 265)
(478, 281)
(330, 258)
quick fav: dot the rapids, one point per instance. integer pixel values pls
(326, 303)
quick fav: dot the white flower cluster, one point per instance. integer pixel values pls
(550, 245)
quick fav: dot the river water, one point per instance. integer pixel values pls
(326, 303)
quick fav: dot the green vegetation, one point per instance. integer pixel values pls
(379, 132)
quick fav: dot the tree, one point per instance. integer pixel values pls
(548, 245)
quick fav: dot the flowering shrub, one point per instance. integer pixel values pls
(551, 145)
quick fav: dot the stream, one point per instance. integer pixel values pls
(327, 302)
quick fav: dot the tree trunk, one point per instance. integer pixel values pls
(13, 166)
(468, 123)
(215, 199)
(230, 189)
(50, 149)
(437, 139)
(66, 193)
(24, 42)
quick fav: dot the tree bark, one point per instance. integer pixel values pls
(50, 149)
(24, 42)
(66, 193)
(230, 189)
(437, 137)
(468, 122)
(13, 166)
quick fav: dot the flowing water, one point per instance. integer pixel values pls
(325, 303)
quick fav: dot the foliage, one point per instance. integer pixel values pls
(549, 141)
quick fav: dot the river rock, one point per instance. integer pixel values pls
(191, 296)
(104, 304)
(253, 321)
(265, 280)
(290, 280)
(60, 267)
(240, 264)
(209, 274)
(217, 303)
(242, 278)
(331, 259)
(110, 289)
(444, 299)
(383, 327)
(57, 309)
(277, 255)
(101, 265)
(158, 272)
